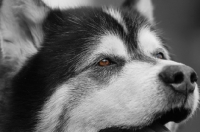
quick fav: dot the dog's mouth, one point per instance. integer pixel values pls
(158, 125)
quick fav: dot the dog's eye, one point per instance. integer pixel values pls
(104, 62)
(160, 55)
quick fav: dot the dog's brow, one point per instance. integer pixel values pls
(116, 14)
(149, 42)
(109, 44)
(112, 44)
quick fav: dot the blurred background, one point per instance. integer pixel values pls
(179, 21)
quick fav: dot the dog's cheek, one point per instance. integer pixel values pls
(141, 91)
(193, 100)
(53, 109)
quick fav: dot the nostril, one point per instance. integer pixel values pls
(193, 77)
(178, 77)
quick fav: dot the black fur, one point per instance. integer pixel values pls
(68, 36)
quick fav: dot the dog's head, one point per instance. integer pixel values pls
(99, 68)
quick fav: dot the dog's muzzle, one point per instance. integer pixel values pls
(181, 80)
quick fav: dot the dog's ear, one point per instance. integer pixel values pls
(21, 29)
(145, 7)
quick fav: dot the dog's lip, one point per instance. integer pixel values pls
(176, 115)
(158, 125)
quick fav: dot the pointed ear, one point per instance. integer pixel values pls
(30, 15)
(145, 7)
(21, 29)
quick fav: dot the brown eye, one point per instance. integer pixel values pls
(160, 55)
(104, 62)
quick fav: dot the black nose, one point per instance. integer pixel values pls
(180, 77)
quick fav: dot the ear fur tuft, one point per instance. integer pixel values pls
(145, 7)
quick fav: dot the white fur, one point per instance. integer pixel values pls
(16, 45)
(145, 7)
(149, 43)
(173, 127)
(65, 4)
(193, 101)
(116, 14)
(111, 44)
(53, 108)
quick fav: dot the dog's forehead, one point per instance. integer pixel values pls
(100, 31)
(117, 15)
(142, 38)
(147, 43)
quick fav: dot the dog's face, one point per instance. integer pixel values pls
(98, 69)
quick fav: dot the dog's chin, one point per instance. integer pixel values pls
(176, 115)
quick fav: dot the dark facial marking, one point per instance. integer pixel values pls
(67, 41)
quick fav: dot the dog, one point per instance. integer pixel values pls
(77, 67)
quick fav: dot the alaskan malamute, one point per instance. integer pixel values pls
(82, 68)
